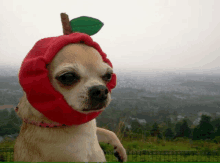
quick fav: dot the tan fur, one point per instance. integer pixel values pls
(78, 143)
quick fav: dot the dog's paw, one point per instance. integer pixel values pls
(120, 153)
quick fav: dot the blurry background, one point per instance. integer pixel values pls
(165, 54)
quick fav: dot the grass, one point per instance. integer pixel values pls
(153, 144)
(150, 143)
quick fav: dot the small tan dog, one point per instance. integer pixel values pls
(77, 143)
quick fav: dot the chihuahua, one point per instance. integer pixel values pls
(77, 73)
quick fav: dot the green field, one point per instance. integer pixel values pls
(154, 144)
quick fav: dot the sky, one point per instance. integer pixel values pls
(142, 35)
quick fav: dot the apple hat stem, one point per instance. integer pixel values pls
(66, 24)
(82, 24)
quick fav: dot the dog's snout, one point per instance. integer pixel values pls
(98, 93)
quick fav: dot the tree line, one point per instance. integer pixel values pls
(10, 123)
(207, 129)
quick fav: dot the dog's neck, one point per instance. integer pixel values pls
(41, 124)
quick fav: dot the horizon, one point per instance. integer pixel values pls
(210, 72)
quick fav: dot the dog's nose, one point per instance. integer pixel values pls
(98, 93)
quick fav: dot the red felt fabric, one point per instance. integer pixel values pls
(33, 78)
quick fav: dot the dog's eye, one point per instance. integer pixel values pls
(68, 78)
(107, 77)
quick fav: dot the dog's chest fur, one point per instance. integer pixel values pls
(71, 144)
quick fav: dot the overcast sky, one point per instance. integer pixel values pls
(137, 35)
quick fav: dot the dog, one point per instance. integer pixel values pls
(80, 75)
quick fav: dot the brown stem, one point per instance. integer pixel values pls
(66, 24)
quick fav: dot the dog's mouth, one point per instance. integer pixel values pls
(96, 108)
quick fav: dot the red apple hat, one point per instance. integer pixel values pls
(33, 75)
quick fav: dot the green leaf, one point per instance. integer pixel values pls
(86, 25)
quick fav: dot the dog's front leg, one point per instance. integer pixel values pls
(110, 137)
